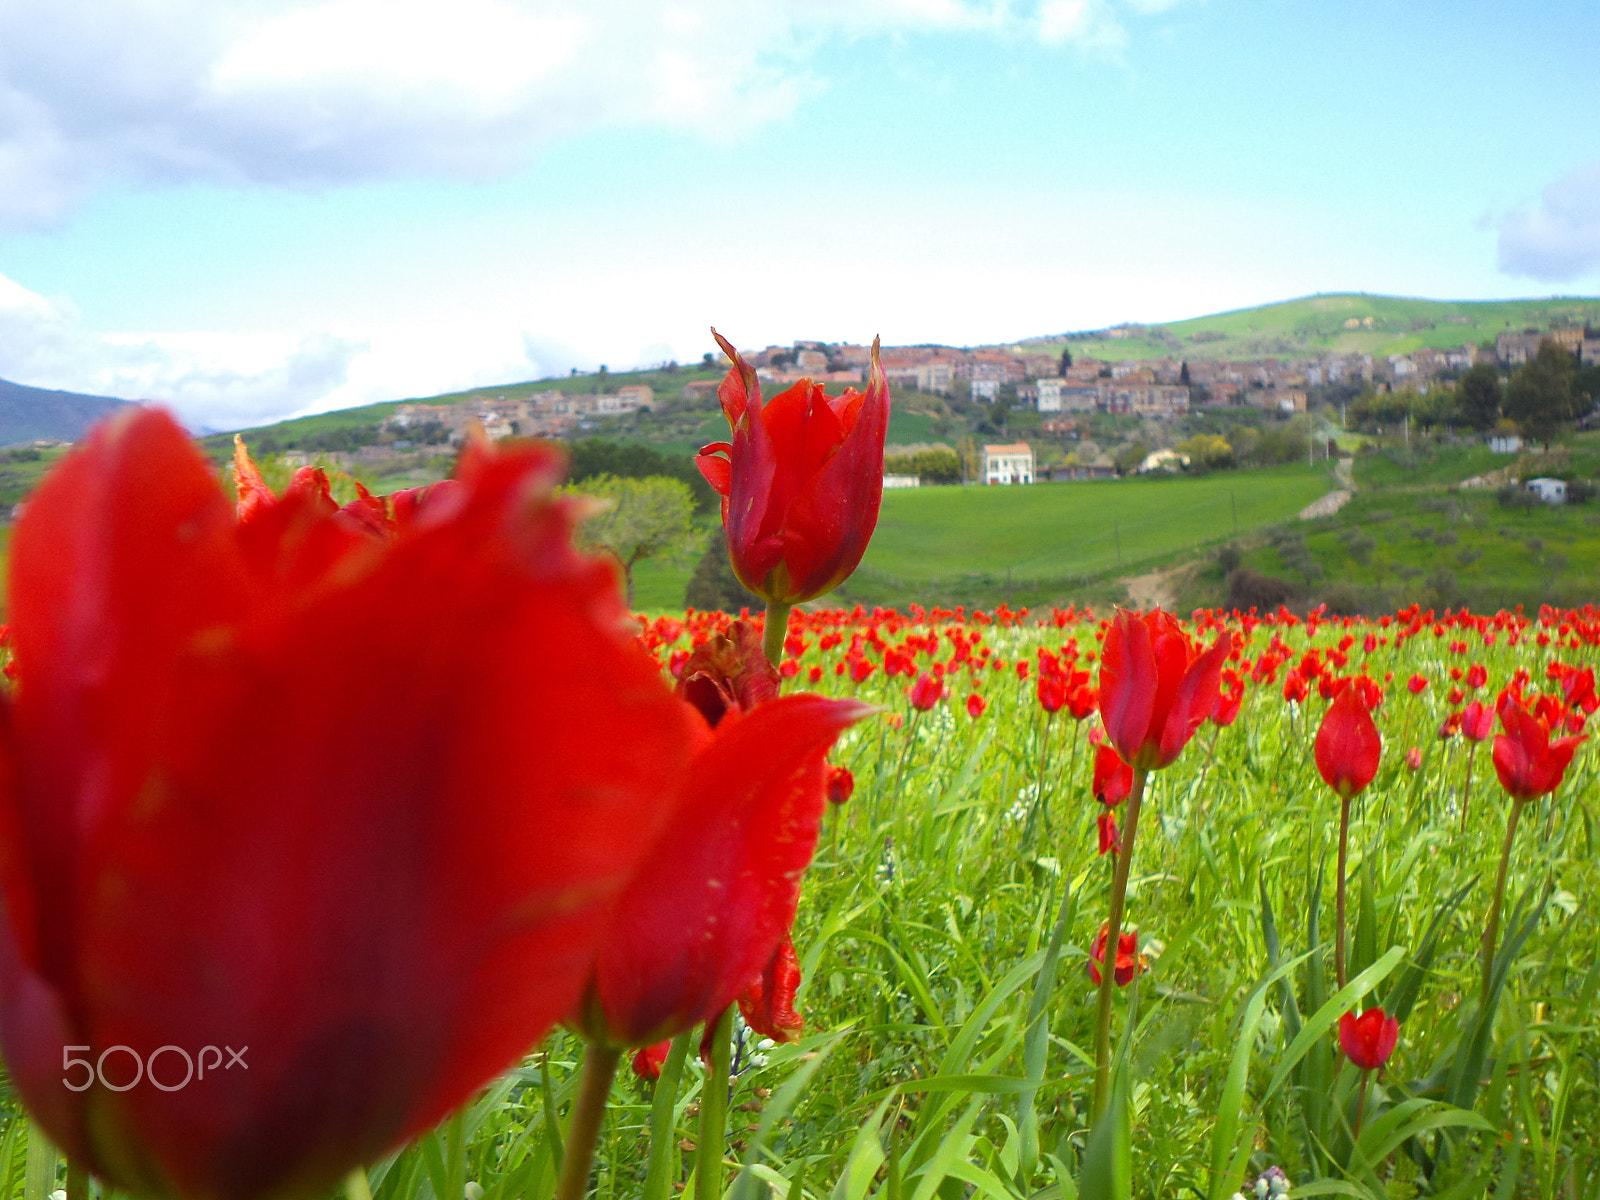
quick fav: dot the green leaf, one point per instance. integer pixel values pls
(1107, 1172)
(1223, 1158)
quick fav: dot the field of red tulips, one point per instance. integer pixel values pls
(381, 844)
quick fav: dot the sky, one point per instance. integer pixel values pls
(272, 207)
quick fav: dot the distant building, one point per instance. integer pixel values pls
(902, 481)
(1551, 491)
(985, 389)
(1008, 463)
(1049, 393)
(1505, 443)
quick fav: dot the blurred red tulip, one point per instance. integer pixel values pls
(1414, 758)
(364, 782)
(975, 705)
(1295, 688)
(1113, 778)
(728, 674)
(1477, 721)
(1348, 746)
(841, 784)
(1417, 684)
(648, 1060)
(716, 893)
(1368, 1040)
(1052, 691)
(1528, 762)
(767, 1003)
(925, 692)
(1477, 675)
(1156, 686)
(800, 482)
(1128, 963)
(1110, 836)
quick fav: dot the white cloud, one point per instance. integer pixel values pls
(221, 381)
(1559, 238)
(308, 93)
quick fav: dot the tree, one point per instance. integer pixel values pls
(1539, 396)
(714, 587)
(1183, 374)
(1066, 360)
(636, 519)
(1478, 397)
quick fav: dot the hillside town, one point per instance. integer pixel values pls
(1156, 388)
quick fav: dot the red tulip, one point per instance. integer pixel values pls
(1110, 836)
(363, 784)
(1052, 690)
(648, 1060)
(1477, 675)
(1295, 688)
(975, 705)
(1477, 721)
(1417, 684)
(925, 692)
(1348, 746)
(1228, 704)
(1414, 758)
(1113, 778)
(800, 482)
(841, 785)
(728, 674)
(1128, 962)
(1528, 762)
(1156, 686)
(767, 1003)
(1368, 1040)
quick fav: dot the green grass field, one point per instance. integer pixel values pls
(1046, 537)
(1315, 325)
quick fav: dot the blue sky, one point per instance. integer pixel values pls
(278, 206)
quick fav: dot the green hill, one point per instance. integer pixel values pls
(1315, 325)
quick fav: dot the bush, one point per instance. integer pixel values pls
(1250, 589)
(1229, 558)
(1579, 491)
(1511, 495)
(1344, 599)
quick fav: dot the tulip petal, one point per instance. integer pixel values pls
(1194, 700)
(712, 902)
(1127, 684)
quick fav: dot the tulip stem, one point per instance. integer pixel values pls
(1108, 965)
(1338, 895)
(777, 627)
(77, 1181)
(714, 1111)
(356, 1186)
(1491, 929)
(1361, 1104)
(1466, 788)
(588, 1114)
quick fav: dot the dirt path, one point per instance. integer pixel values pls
(1155, 590)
